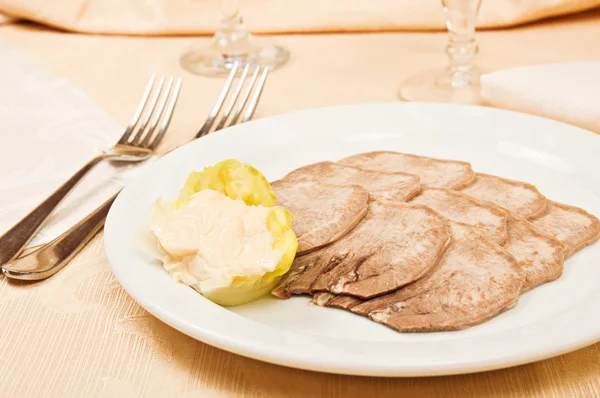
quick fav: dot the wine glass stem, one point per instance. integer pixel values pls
(231, 18)
(232, 37)
(461, 16)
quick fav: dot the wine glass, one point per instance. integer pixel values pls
(459, 81)
(231, 44)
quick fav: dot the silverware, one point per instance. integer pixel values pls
(137, 143)
(226, 120)
(46, 260)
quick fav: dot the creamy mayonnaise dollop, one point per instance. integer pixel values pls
(212, 239)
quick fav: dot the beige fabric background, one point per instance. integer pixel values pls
(5, 19)
(79, 334)
(268, 16)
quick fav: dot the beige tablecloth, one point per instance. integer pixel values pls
(78, 334)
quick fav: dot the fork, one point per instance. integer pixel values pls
(47, 260)
(138, 143)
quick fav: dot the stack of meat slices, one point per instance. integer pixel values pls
(423, 244)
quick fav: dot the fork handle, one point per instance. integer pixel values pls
(16, 238)
(53, 256)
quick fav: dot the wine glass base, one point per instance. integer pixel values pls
(212, 61)
(438, 86)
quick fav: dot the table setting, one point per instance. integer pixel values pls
(416, 182)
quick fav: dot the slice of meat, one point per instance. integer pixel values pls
(475, 281)
(458, 231)
(301, 276)
(323, 299)
(520, 198)
(433, 172)
(540, 257)
(487, 219)
(574, 227)
(392, 246)
(331, 300)
(394, 187)
(323, 213)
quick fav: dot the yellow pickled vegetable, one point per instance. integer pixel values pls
(232, 178)
(240, 181)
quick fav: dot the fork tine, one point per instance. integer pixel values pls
(138, 112)
(158, 113)
(144, 123)
(240, 107)
(217, 107)
(256, 96)
(233, 99)
(168, 115)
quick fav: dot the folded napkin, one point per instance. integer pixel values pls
(48, 130)
(195, 16)
(568, 92)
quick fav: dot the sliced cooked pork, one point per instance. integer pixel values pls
(437, 173)
(487, 218)
(520, 198)
(300, 277)
(331, 300)
(323, 213)
(392, 246)
(394, 187)
(475, 281)
(540, 257)
(323, 299)
(574, 227)
(435, 264)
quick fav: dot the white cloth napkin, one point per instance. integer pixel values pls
(568, 92)
(48, 130)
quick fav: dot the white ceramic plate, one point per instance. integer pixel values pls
(561, 316)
